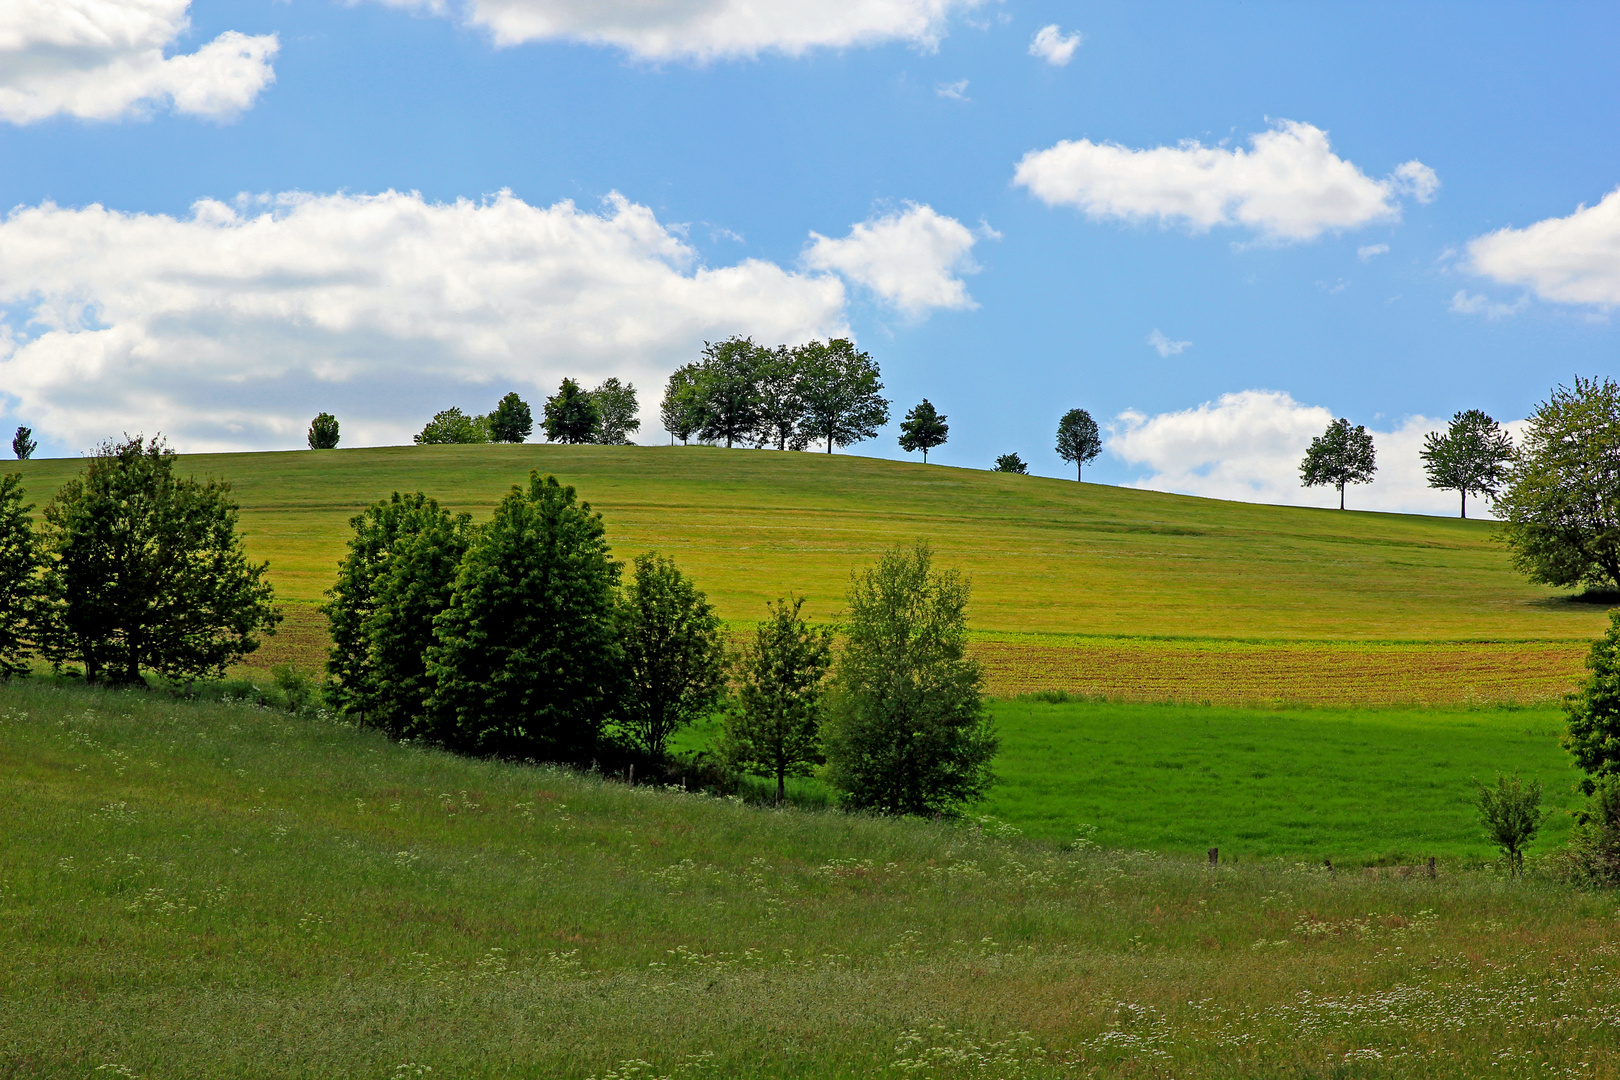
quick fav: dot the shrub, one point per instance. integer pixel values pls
(297, 688)
(774, 729)
(1511, 815)
(674, 659)
(454, 426)
(1011, 463)
(323, 432)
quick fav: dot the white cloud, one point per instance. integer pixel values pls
(956, 91)
(911, 259)
(230, 328)
(1466, 303)
(1053, 46)
(1368, 251)
(103, 59)
(1289, 186)
(705, 30)
(1164, 346)
(1571, 260)
(1248, 445)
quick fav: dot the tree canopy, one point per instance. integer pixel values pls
(23, 444)
(923, 429)
(1078, 439)
(1340, 455)
(728, 389)
(1011, 463)
(842, 404)
(20, 564)
(682, 410)
(511, 422)
(1592, 711)
(1471, 457)
(617, 414)
(323, 432)
(674, 655)
(452, 426)
(571, 415)
(774, 727)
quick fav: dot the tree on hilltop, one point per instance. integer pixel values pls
(511, 422)
(842, 404)
(682, 410)
(452, 426)
(1472, 456)
(923, 429)
(1011, 463)
(1078, 439)
(781, 399)
(728, 389)
(571, 416)
(617, 413)
(1340, 455)
(23, 444)
(323, 432)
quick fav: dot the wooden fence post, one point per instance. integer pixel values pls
(1214, 856)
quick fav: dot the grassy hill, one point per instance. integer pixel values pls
(1076, 586)
(192, 890)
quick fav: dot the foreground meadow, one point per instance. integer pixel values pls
(218, 890)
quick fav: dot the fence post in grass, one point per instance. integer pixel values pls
(1431, 866)
(632, 774)
(1214, 856)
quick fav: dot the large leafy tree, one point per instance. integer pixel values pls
(323, 432)
(842, 404)
(1472, 456)
(451, 426)
(1560, 502)
(923, 429)
(682, 410)
(617, 412)
(781, 400)
(511, 422)
(774, 730)
(1592, 711)
(570, 415)
(1340, 455)
(525, 662)
(148, 571)
(20, 563)
(728, 389)
(1078, 439)
(674, 656)
(907, 731)
(23, 444)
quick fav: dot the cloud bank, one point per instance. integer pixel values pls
(1288, 186)
(104, 59)
(705, 30)
(1569, 260)
(1247, 446)
(230, 328)
(912, 260)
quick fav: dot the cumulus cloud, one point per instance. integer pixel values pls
(1571, 260)
(103, 59)
(911, 259)
(705, 30)
(1466, 303)
(231, 327)
(1053, 46)
(1368, 251)
(1164, 346)
(1247, 446)
(1289, 185)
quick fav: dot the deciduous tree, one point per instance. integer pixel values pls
(1340, 455)
(20, 585)
(1472, 456)
(1592, 711)
(453, 426)
(1011, 463)
(571, 415)
(774, 730)
(323, 432)
(617, 412)
(781, 400)
(923, 429)
(682, 410)
(728, 389)
(511, 422)
(1078, 439)
(842, 404)
(674, 657)
(1511, 815)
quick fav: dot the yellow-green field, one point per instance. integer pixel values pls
(1076, 586)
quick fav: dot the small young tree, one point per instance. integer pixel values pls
(1561, 519)
(323, 432)
(617, 412)
(1511, 815)
(23, 444)
(907, 731)
(1592, 711)
(1472, 456)
(728, 389)
(20, 563)
(511, 422)
(524, 662)
(1011, 463)
(148, 571)
(453, 426)
(1078, 439)
(571, 416)
(775, 728)
(923, 429)
(781, 400)
(1340, 455)
(682, 410)
(674, 656)
(840, 387)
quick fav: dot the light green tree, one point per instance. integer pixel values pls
(774, 727)
(674, 654)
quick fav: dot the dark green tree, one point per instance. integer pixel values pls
(1511, 815)
(1078, 439)
(511, 422)
(1011, 463)
(1592, 710)
(452, 426)
(23, 444)
(1340, 455)
(774, 729)
(674, 655)
(525, 663)
(571, 416)
(148, 571)
(907, 730)
(923, 429)
(841, 400)
(617, 412)
(20, 585)
(323, 432)
(728, 389)
(682, 410)
(1472, 456)
(1560, 503)
(781, 400)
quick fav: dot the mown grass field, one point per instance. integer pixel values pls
(1076, 586)
(192, 890)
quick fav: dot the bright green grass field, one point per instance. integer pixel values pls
(1354, 785)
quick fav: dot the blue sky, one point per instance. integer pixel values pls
(705, 146)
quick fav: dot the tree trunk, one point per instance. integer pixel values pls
(1079, 466)
(1341, 496)
(781, 785)
(1464, 504)
(925, 455)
